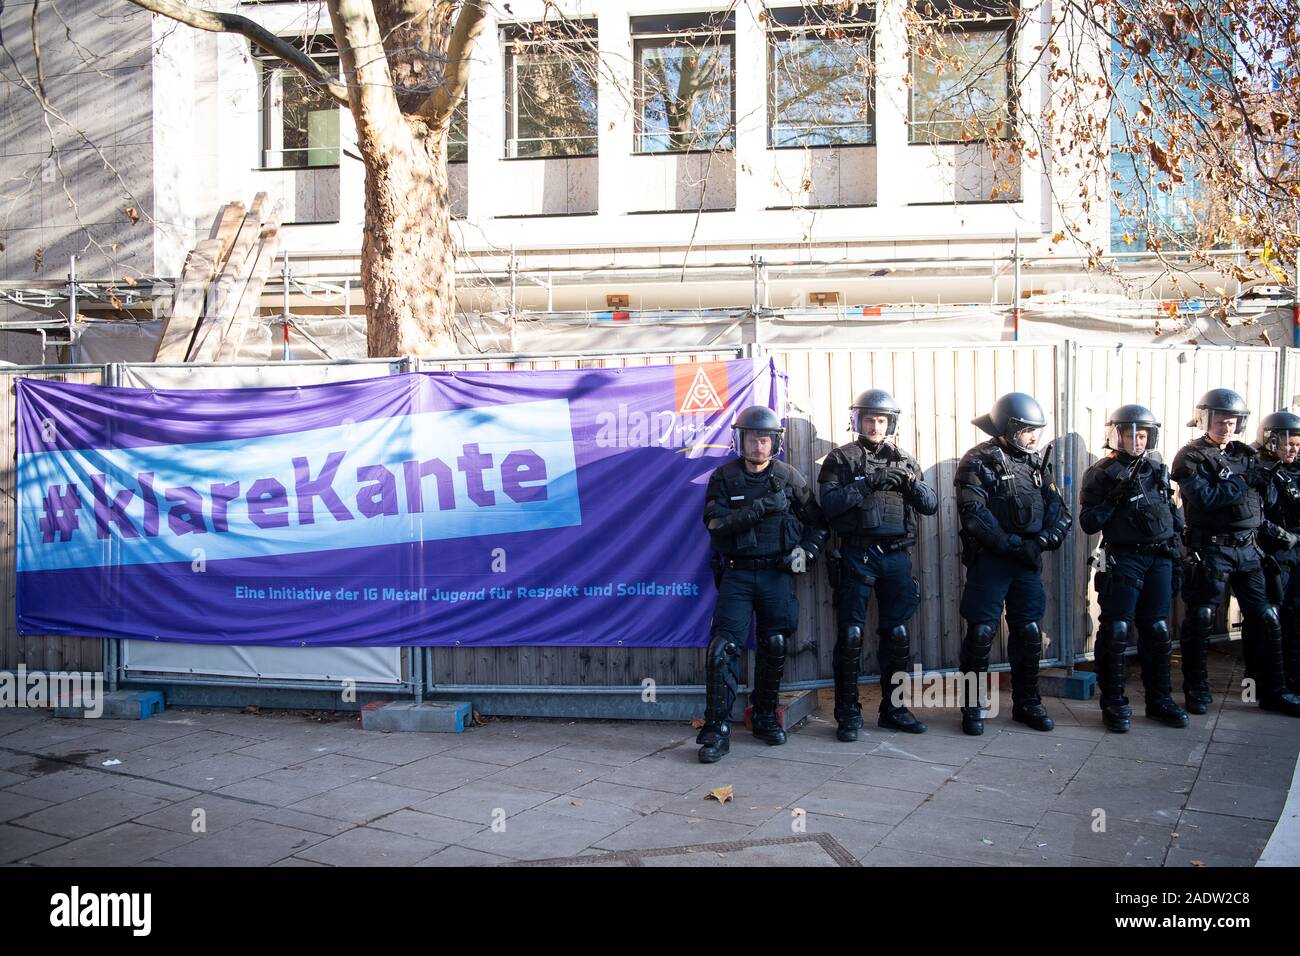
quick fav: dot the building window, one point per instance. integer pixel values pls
(551, 89)
(819, 68)
(300, 121)
(962, 66)
(1150, 210)
(685, 83)
(458, 132)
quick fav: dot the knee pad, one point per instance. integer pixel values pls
(894, 638)
(1158, 630)
(1026, 635)
(851, 639)
(771, 644)
(1202, 617)
(723, 649)
(982, 635)
(1115, 635)
(1267, 616)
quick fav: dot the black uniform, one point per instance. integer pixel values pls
(755, 521)
(1129, 500)
(1011, 512)
(871, 493)
(1225, 493)
(1280, 532)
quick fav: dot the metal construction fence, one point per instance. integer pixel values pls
(941, 388)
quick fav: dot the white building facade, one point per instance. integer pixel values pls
(764, 202)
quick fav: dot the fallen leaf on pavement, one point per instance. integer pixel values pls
(721, 794)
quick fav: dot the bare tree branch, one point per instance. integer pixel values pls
(438, 106)
(371, 96)
(256, 34)
(36, 50)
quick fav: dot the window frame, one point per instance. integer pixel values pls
(462, 109)
(270, 72)
(656, 29)
(578, 33)
(1007, 25)
(779, 30)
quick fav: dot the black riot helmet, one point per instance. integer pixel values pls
(1132, 417)
(1225, 401)
(1275, 429)
(1011, 414)
(761, 420)
(874, 401)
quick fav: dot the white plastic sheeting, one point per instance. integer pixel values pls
(1044, 320)
(372, 665)
(102, 342)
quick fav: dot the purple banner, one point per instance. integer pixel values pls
(447, 508)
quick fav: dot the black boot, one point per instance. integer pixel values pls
(1154, 648)
(1194, 641)
(721, 677)
(1112, 639)
(1270, 680)
(847, 660)
(895, 662)
(974, 663)
(768, 667)
(1025, 647)
(1291, 646)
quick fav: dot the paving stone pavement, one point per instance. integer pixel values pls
(216, 787)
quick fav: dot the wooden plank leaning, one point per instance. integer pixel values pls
(187, 303)
(229, 285)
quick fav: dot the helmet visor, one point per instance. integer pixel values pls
(1132, 438)
(862, 421)
(1024, 435)
(1283, 442)
(756, 444)
(1212, 420)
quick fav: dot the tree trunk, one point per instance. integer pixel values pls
(407, 255)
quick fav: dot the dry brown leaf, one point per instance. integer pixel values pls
(1198, 863)
(721, 794)
(132, 214)
(697, 723)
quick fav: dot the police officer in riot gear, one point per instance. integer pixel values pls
(1279, 450)
(765, 526)
(871, 491)
(1225, 490)
(1127, 497)
(1011, 512)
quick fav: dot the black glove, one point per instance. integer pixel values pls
(878, 480)
(1124, 491)
(902, 477)
(775, 503)
(1257, 477)
(1030, 552)
(1051, 539)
